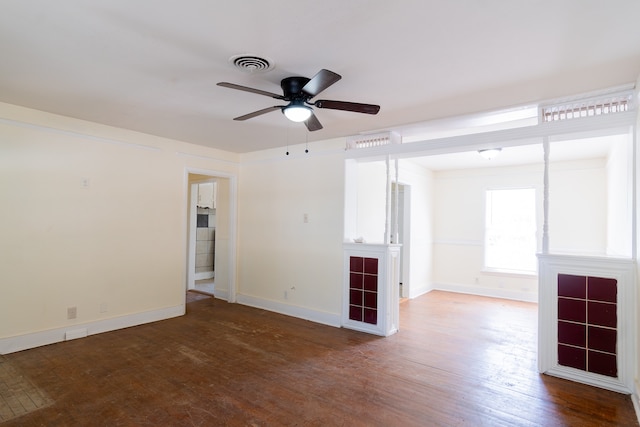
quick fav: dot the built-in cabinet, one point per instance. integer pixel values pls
(207, 195)
(371, 288)
(585, 308)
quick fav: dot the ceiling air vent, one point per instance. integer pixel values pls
(372, 140)
(251, 63)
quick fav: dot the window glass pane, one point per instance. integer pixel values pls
(510, 237)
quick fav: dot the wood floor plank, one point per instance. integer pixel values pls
(458, 360)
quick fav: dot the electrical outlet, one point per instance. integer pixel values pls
(85, 182)
(103, 307)
(72, 312)
(305, 218)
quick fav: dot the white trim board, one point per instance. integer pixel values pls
(330, 319)
(203, 275)
(415, 292)
(37, 339)
(487, 292)
(635, 398)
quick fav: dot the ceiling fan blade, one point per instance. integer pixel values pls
(322, 80)
(250, 89)
(258, 113)
(347, 106)
(313, 123)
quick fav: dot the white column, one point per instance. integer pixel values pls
(387, 223)
(545, 224)
(396, 236)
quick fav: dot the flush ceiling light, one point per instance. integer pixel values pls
(296, 112)
(490, 153)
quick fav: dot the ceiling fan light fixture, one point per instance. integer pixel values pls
(297, 113)
(490, 153)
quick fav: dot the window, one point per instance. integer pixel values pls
(510, 235)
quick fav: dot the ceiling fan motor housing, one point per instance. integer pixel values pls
(292, 88)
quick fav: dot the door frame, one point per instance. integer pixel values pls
(189, 228)
(405, 249)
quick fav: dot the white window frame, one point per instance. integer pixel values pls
(506, 269)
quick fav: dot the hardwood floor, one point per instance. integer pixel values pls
(458, 360)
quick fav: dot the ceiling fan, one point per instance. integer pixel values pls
(298, 91)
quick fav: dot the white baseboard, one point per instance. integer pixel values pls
(37, 339)
(635, 397)
(291, 310)
(204, 275)
(221, 294)
(487, 292)
(416, 292)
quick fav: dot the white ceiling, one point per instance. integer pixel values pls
(152, 65)
(560, 151)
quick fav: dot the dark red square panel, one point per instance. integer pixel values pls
(572, 334)
(355, 313)
(356, 264)
(370, 283)
(572, 357)
(573, 310)
(600, 289)
(603, 364)
(602, 313)
(371, 265)
(371, 316)
(356, 280)
(572, 286)
(371, 299)
(355, 297)
(602, 339)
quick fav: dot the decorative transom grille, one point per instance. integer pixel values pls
(373, 140)
(587, 108)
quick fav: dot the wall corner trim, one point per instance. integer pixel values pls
(51, 336)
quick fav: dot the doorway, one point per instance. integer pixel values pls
(211, 234)
(400, 224)
(205, 238)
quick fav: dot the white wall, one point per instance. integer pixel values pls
(371, 201)
(93, 217)
(619, 200)
(370, 196)
(287, 265)
(577, 221)
(459, 224)
(578, 207)
(420, 181)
